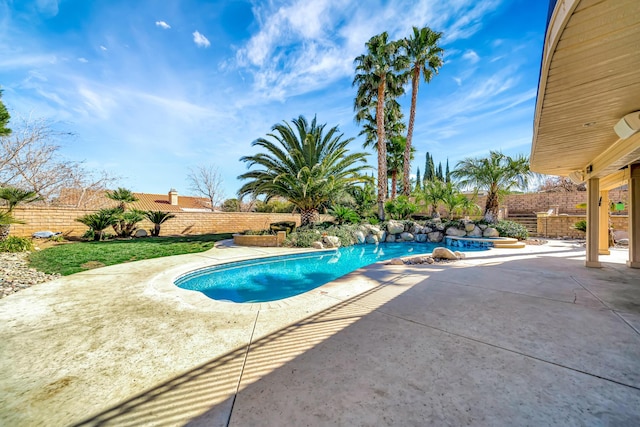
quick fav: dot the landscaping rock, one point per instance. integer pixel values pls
(490, 232)
(460, 255)
(16, 275)
(416, 229)
(360, 237)
(331, 242)
(452, 231)
(421, 238)
(407, 237)
(395, 261)
(317, 245)
(435, 236)
(391, 238)
(395, 227)
(476, 232)
(483, 226)
(140, 233)
(371, 239)
(469, 227)
(443, 253)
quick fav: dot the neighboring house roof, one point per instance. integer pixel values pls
(147, 202)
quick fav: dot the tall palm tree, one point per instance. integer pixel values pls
(498, 174)
(123, 196)
(426, 57)
(377, 75)
(304, 165)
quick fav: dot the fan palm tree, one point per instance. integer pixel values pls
(122, 195)
(98, 221)
(157, 218)
(433, 192)
(377, 76)
(498, 174)
(304, 165)
(426, 57)
(12, 197)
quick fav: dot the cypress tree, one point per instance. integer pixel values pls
(432, 169)
(418, 181)
(439, 173)
(448, 173)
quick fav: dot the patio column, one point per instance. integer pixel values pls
(634, 216)
(593, 222)
(603, 228)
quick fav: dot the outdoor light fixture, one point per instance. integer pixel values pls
(628, 125)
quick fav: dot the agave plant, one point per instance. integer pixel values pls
(157, 218)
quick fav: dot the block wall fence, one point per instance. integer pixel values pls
(62, 219)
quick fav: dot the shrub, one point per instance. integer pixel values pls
(400, 208)
(303, 238)
(286, 226)
(344, 215)
(97, 222)
(511, 229)
(16, 244)
(581, 225)
(258, 233)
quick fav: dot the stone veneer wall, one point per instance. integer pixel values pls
(64, 220)
(561, 225)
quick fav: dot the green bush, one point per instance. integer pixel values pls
(258, 233)
(16, 244)
(400, 208)
(303, 238)
(581, 225)
(344, 215)
(511, 229)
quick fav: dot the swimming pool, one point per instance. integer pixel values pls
(275, 278)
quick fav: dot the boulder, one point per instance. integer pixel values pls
(372, 229)
(469, 227)
(476, 232)
(483, 226)
(331, 242)
(382, 236)
(360, 237)
(490, 232)
(443, 253)
(407, 237)
(140, 233)
(421, 238)
(395, 227)
(426, 229)
(453, 231)
(317, 245)
(44, 234)
(435, 236)
(391, 238)
(371, 239)
(416, 229)
(395, 261)
(460, 255)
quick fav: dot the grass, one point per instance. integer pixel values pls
(75, 257)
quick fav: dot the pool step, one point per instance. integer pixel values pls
(508, 243)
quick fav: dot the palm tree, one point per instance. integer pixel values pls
(433, 192)
(157, 218)
(426, 57)
(497, 174)
(376, 77)
(304, 165)
(12, 197)
(456, 202)
(123, 196)
(98, 221)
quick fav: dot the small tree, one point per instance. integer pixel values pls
(97, 222)
(158, 218)
(207, 182)
(12, 197)
(4, 119)
(432, 194)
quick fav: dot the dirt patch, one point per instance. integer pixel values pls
(92, 264)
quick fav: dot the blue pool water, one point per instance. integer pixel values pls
(274, 278)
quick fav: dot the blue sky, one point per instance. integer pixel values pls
(151, 88)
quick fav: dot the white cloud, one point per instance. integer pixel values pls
(471, 56)
(103, 48)
(200, 39)
(83, 60)
(163, 25)
(458, 80)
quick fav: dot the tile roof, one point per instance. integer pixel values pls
(148, 202)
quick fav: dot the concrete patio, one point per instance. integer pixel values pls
(505, 337)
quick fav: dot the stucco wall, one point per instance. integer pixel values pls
(562, 225)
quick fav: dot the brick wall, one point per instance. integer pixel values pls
(64, 220)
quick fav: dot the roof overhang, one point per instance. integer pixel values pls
(589, 80)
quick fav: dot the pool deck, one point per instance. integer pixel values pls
(505, 337)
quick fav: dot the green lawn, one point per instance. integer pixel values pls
(75, 257)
